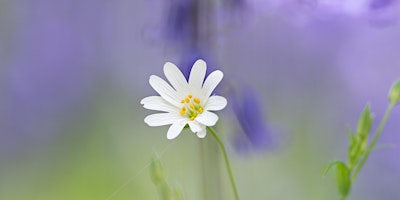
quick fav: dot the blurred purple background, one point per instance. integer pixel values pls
(73, 72)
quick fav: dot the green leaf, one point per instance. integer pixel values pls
(350, 133)
(343, 178)
(329, 167)
(186, 127)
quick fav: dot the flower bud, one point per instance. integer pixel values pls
(157, 173)
(355, 151)
(177, 192)
(164, 191)
(394, 93)
(364, 123)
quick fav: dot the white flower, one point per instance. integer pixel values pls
(185, 102)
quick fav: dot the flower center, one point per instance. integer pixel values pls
(191, 107)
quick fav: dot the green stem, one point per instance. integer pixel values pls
(373, 142)
(228, 166)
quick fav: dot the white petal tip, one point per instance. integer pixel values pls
(200, 61)
(168, 65)
(145, 121)
(175, 129)
(152, 78)
(224, 104)
(171, 137)
(216, 103)
(148, 121)
(144, 100)
(201, 134)
(219, 73)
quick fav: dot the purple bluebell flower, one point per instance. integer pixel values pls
(381, 4)
(383, 12)
(181, 25)
(255, 133)
(191, 23)
(376, 12)
(235, 4)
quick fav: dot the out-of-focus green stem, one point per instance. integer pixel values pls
(373, 142)
(228, 166)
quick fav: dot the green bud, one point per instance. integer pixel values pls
(394, 93)
(177, 193)
(343, 179)
(164, 191)
(364, 122)
(157, 173)
(354, 151)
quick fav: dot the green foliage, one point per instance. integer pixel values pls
(359, 140)
(165, 191)
(359, 149)
(342, 177)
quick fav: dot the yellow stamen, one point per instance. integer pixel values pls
(191, 107)
(183, 110)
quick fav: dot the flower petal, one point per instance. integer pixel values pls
(165, 90)
(211, 82)
(202, 133)
(175, 129)
(216, 103)
(158, 103)
(161, 119)
(195, 126)
(197, 74)
(207, 118)
(175, 77)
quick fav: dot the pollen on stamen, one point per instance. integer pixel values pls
(190, 96)
(191, 106)
(183, 110)
(187, 100)
(183, 101)
(196, 100)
